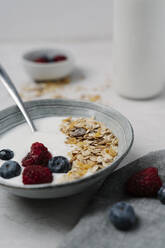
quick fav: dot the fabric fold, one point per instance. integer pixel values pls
(94, 229)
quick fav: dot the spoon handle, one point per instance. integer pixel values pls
(5, 79)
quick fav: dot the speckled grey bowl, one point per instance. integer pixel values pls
(12, 117)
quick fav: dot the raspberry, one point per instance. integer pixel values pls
(38, 146)
(59, 58)
(36, 175)
(145, 183)
(27, 160)
(41, 60)
(39, 155)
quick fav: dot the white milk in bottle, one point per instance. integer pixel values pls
(139, 47)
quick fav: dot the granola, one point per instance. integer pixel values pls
(94, 146)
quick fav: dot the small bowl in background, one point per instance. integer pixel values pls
(50, 70)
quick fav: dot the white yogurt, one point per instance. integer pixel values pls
(20, 139)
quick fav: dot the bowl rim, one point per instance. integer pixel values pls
(68, 54)
(116, 162)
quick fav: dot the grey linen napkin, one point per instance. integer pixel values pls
(94, 229)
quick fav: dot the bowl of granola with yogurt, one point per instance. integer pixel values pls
(77, 145)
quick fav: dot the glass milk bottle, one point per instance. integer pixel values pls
(139, 47)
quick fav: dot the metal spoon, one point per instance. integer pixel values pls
(5, 79)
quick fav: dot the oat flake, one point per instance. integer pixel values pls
(94, 146)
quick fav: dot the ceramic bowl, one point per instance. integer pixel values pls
(48, 71)
(12, 117)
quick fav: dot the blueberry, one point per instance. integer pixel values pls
(122, 216)
(10, 169)
(6, 154)
(59, 164)
(161, 194)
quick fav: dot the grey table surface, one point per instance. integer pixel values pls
(32, 223)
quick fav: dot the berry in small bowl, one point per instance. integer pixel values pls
(55, 59)
(48, 64)
(42, 59)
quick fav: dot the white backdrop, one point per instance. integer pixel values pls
(28, 20)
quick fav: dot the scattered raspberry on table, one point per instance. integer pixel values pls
(144, 183)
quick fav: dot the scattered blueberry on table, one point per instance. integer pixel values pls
(161, 194)
(6, 154)
(122, 216)
(59, 164)
(10, 169)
